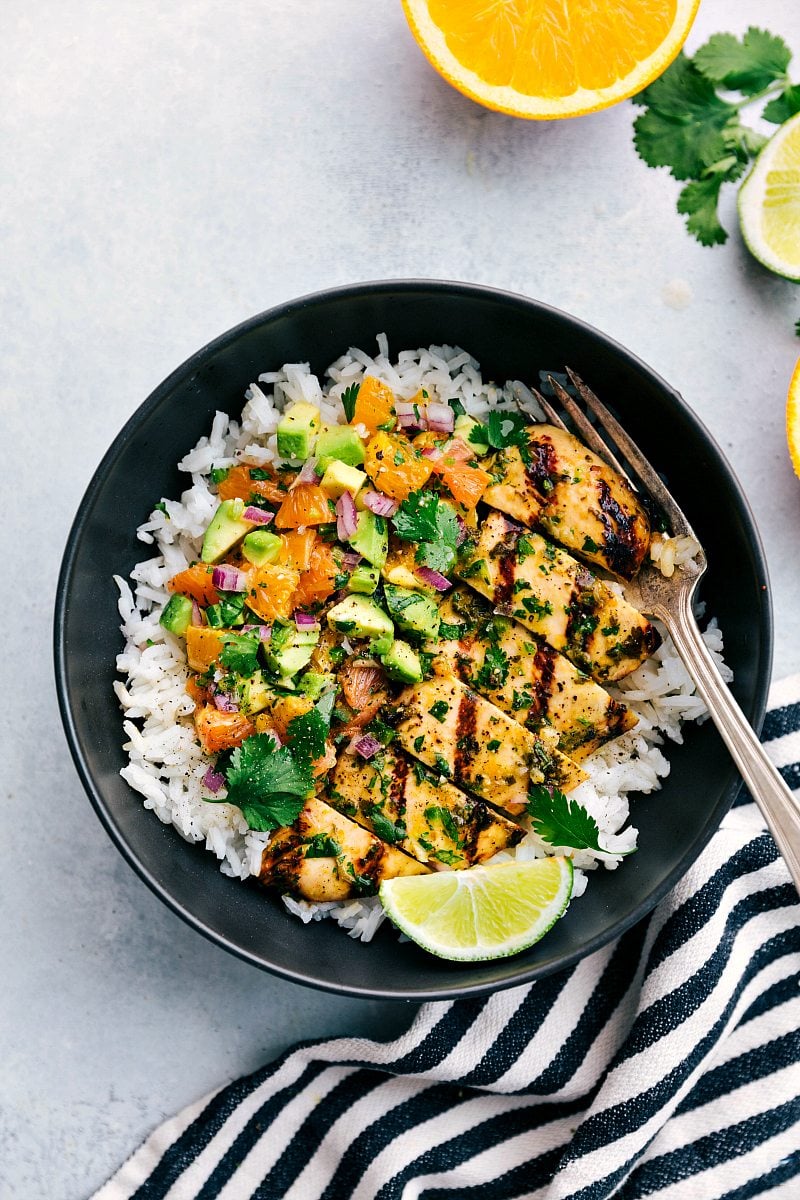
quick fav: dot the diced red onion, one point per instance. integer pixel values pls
(382, 506)
(351, 560)
(367, 746)
(213, 780)
(346, 517)
(410, 417)
(434, 578)
(306, 474)
(441, 418)
(229, 579)
(264, 631)
(305, 620)
(434, 453)
(197, 615)
(225, 703)
(259, 516)
(462, 531)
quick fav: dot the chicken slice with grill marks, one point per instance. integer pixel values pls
(524, 676)
(324, 856)
(403, 802)
(556, 597)
(449, 727)
(559, 486)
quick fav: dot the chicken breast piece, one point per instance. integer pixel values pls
(524, 676)
(556, 597)
(326, 856)
(403, 802)
(449, 727)
(562, 488)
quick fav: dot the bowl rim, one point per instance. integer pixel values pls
(66, 572)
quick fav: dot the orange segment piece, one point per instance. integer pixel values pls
(220, 730)
(271, 589)
(550, 58)
(318, 580)
(307, 504)
(374, 404)
(238, 484)
(297, 549)
(195, 581)
(466, 484)
(395, 466)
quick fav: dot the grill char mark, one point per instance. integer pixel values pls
(542, 467)
(545, 662)
(466, 724)
(505, 553)
(621, 545)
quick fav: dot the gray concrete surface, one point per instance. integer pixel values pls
(168, 170)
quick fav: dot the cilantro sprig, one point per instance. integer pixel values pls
(561, 821)
(692, 123)
(502, 429)
(431, 522)
(270, 783)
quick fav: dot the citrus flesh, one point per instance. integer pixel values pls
(485, 912)
(793, 419)
(769, 203)
(550, 58)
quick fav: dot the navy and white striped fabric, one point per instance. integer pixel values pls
(665, 1065)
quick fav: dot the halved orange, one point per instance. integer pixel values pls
(793, 419)
(550, 58)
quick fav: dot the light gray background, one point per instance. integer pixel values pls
(168, 169)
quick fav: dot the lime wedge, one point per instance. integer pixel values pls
(484, 912)
(769, 203)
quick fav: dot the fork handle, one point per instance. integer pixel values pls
(780, 807)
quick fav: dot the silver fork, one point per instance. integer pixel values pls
(670, 601)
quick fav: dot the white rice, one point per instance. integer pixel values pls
(166, 764)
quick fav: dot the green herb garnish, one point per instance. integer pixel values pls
(349, 397)
(560, 821)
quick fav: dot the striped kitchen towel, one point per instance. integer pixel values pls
(666, 1065)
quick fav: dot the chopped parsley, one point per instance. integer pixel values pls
(439, 709)
(494, 671)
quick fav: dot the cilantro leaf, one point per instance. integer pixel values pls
(684, 125)
(384, 828)
(782, 107)
(747, 66)
(502, 429)
(494, 671)
(437, 556)
(563, 822)
(267, 783)
(698, 203)
(321, 845)
(349, 397)
(307, 735)
(240, 653)
(424, 517)
(434, 812)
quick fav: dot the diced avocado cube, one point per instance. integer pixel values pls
(290, 649)
(381, 645)
(464, 426)
(177, 615)
(253, 692)
(340, 478)
(364, 580)
(360, 617)
(412, 611)
(260, 547)
(297, 430)
(340, 442)
(226, 528)
(314, 683)
(371, 538)
(402, 663)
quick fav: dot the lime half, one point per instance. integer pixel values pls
(769, 203)
(484, 912)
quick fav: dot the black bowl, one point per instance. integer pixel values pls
(512, 337)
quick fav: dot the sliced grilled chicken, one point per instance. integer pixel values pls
(562, 488)
(555, 596)
(524, 676)
(449, 727)
(326, 856)
(402, 802)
